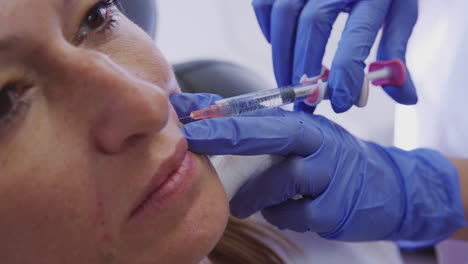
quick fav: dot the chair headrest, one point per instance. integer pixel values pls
(218, 77)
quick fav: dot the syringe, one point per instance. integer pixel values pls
(312, 92)
(259, 100)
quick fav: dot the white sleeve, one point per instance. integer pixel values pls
(316, 249)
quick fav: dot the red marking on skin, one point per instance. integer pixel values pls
(99, 213)
(106, 237)
(101, 224)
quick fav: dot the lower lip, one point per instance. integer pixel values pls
(174, 186)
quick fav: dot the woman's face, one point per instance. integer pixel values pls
(93, 166)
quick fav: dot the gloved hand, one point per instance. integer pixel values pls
(353, 190)
(298, 31)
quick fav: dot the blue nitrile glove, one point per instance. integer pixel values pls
(298, 31)
(354, 190)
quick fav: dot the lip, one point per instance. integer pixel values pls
(172, 178)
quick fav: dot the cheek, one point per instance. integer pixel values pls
(134, 50)
(45, 200)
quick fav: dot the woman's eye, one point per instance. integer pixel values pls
(98, 19)
(11, 100)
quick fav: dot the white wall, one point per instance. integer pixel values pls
(438, 59)
(228, 30)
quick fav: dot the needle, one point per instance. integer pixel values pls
(183, 119)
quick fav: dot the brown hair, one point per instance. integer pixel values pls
(244, 242)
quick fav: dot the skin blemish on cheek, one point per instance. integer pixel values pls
(101, 221)
(106, 237)
(103, 233)
(101, 224)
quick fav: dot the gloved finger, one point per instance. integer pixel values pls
(271, 187)
(262, 10)
(347, 71)
(277, 184)
(185, 103)
(303, 107)
(291, 214)
(399, 25)
(253, 136)
(283, 35)
(300, 216)
(314, 28)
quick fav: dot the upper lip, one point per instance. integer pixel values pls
(167, 168)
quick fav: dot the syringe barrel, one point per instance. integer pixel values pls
(266, 99)
(255, 101)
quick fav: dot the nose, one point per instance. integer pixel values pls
(129, 109)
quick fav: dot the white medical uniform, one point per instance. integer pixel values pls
(438, 59)
(316, 249)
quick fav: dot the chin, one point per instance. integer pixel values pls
(212, 214)
(188, 235)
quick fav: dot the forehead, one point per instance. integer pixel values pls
(29, 22)
(22, 9)
(18, 16)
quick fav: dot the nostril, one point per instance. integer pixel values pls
(112, 143)
(106, 140)
(134, 140)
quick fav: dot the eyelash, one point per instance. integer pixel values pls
(109, 23)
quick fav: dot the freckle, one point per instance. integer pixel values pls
(99, 214)
(106, 237)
